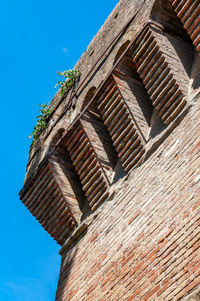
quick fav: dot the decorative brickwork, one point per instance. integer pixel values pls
(160, 68)
(117, 118)
(145, 244)
(87, 166)
(100, 140)
(189, 13)
(126, 138)
(137, 100)
(47, 203)
(68, 181)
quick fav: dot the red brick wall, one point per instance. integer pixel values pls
(144, 244)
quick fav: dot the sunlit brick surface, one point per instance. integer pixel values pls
(145, 243)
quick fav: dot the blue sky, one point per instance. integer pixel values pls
(37, 39)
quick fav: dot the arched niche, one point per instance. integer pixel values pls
(87, 99)
(99, 135)
(163, 13)
(133, 91)
(66, 177)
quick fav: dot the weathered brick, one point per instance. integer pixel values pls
(143, 243)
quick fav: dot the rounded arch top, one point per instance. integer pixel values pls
(55, 139)
(90, 93)
(120, 51)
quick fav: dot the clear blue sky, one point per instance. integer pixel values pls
(37, 39)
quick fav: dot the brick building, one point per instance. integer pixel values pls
(115, 176)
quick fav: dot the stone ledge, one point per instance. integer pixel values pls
(74, 236)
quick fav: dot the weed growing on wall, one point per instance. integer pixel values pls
(42, 120)
(69, 78)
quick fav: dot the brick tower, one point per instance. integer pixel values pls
(115, 176)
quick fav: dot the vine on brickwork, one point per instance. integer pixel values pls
(69, 78)
(42, 120)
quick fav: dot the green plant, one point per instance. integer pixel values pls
(42, 120)
(70, 77)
